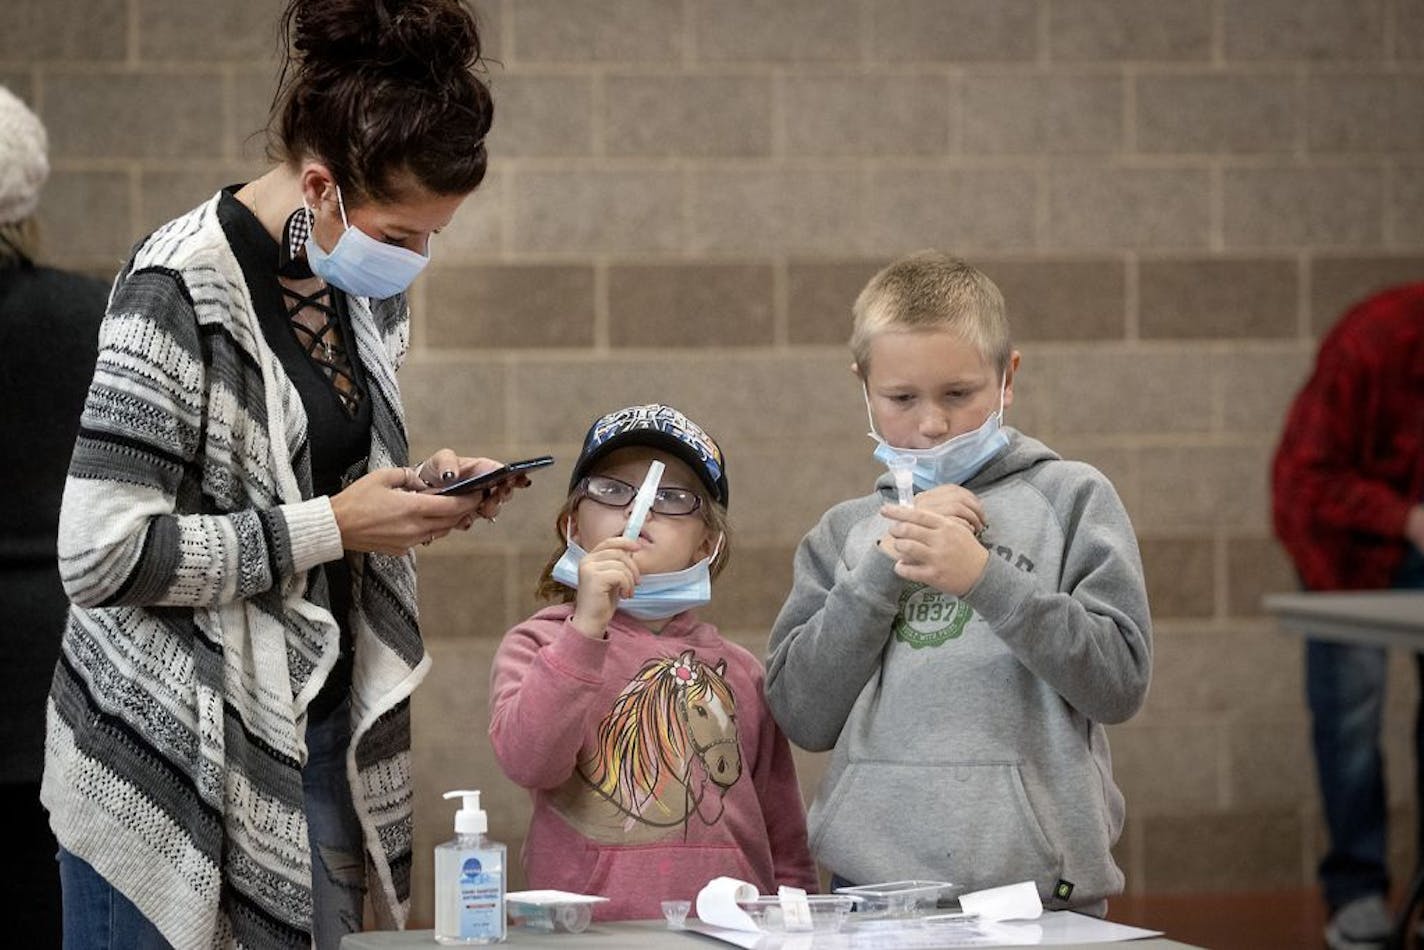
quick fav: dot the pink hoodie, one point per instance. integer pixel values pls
(652, 759)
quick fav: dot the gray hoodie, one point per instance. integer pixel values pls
(967, 733)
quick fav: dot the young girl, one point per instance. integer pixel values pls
(640, 732)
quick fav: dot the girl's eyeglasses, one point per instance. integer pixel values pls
(616, 493)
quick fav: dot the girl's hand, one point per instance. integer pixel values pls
(935, 549)
(606, 574)
(380, 512)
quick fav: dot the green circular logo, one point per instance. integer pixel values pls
(928, 617)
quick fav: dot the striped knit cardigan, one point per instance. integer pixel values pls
(175, 736)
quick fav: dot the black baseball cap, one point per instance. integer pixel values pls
(660, 427)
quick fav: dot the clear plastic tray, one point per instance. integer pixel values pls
(828, 912)
(549, 911)
(897, 898)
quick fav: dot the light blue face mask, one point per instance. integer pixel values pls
(954, 461)
(362, 265)
(657, 596)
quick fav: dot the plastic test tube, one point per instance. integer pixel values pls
(643, 501)
(903, 468)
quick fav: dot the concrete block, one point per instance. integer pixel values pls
(778, 211)
(87, 219)
(1377, 112)
(164, 195)
(1118, 390)
(509, 306)
(1156, 781)
(1214, 298)
(138, 115)
(239, 31)
(819, 298)
(1255, 567)
(1042, 113)
(1181, 576)
(539, 115)
(65, 30)
(1406, 211)
(461, 404)
(659, 305)
(1291, 206)
(1322, 30)
(1338, 283)
(955, 30)
(1213, 484)
(973, 210)
(1256, 383)
(667, 114)
(857, 114)
(602, 31)
(590, 210)
(776, 31)
(1110, 30)
(1215, 113)
(1070, 300)
(1093, 206)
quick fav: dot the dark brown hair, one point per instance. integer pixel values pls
(377, 89)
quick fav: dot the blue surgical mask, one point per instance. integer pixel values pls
(362, 265)
(657, 596)
(954, 461)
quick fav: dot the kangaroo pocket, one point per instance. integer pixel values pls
(969, 823)
(638, 878)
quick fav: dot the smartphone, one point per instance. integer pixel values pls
(489, 479)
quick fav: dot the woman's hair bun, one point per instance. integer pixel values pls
(418, 38)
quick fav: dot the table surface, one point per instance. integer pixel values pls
(1379, 618)
(645, 935)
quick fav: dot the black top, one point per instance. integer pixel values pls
(49, 337)
(338, 440)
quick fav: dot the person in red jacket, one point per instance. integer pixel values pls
(641, 733)
(1348, 505)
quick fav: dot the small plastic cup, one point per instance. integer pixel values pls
(676, 913)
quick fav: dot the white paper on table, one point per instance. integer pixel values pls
(717, 904)
(548, 898)
(1054, 928)
(1010, 902)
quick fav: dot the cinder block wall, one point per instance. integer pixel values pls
(1177, 197)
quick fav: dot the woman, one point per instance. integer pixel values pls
(227, 754)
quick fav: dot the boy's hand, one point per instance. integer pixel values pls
(933, 548)
(605, 574)
(955, 501)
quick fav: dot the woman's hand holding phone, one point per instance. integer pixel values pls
(391, 510)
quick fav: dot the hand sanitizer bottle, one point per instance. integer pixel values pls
(469, 880)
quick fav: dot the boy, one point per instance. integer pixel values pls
(961, 655)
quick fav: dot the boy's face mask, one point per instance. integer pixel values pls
(657, 596)
(954, 461)
(361, 265)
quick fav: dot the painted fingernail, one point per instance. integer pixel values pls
(447, 476)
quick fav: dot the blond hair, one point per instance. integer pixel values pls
(713, 515)
(930, 290)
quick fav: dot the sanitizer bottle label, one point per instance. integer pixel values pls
(481, 910)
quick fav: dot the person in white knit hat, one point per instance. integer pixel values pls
(24, 166)
(49, 321)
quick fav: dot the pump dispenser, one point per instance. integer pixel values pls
(469, 879)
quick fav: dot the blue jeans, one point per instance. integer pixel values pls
(98, 917)
(1345, 687)
(338, 855)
